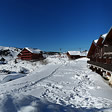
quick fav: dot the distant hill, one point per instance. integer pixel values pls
(9, 52)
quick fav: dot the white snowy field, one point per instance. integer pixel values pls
(58, 86)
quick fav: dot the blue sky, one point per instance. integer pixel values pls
(53, 24)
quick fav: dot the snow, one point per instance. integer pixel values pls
(95, 41)
(11, 77)
(83, 53)
(13, 52)
(104, 36)
(55, 85)
(33, 50)
(74, 52)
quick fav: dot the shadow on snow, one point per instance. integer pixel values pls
(33, 104)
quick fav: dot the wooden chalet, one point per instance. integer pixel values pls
(100, 55)
(76, 54)
(73, 54)
(92, 50)
(30, 54)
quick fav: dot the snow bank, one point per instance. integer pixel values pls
(62, 85)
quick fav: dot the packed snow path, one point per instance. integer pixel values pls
(68, 86)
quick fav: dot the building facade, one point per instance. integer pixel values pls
(30, 54)
(100, 55)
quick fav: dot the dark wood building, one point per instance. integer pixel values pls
(30, 54)
(100, 55)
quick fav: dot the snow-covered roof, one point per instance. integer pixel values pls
(74, 52)
(33, 50)
(95, 41)
(104, 35)
(81, 53)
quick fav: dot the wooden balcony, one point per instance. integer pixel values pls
(102, 65)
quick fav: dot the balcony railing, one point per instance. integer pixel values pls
(102, 65)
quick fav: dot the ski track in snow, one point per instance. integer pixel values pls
(29, 85)
(65, 86)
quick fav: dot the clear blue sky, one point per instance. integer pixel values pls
(53, 24)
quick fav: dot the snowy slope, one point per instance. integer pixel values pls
(9, 52)
(59, 86)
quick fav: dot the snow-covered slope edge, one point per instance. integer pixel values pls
(60, 86)
(9, 53)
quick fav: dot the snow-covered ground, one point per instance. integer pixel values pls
(9, 53)
(55, 85)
